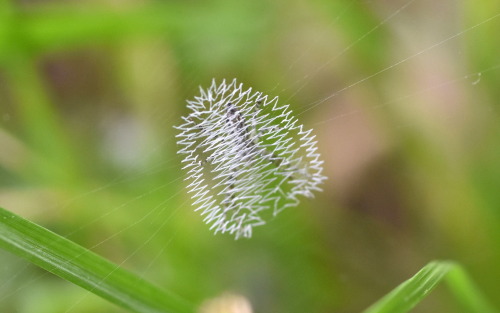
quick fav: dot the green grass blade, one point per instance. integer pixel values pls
(83, 267)
(66, 26)
(404, 297)
(466, 292)
(407, 295)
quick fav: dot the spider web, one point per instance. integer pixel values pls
(164, 215)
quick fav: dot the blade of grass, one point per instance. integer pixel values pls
(407, 295)
(83, 267)
(53, 159)
(53, 28)
(466, 292)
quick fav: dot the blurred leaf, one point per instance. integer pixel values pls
(465, 291)
(69, 27)
(414, 290)
(61, 27)
(84, 268)
(53, 156)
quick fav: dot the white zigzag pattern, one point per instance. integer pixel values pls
(246, 158)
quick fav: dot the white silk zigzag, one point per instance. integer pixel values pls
(246, 158)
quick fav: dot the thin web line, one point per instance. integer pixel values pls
(349, 47)
(315, 104)
(473, 75)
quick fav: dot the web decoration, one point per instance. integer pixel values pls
(246, 158)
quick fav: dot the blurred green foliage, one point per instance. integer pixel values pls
(406, 114)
